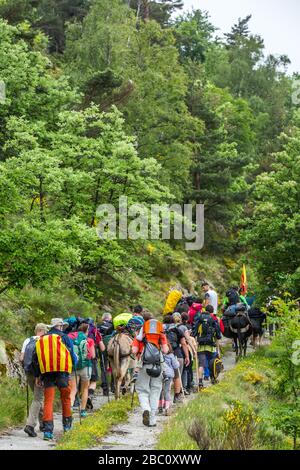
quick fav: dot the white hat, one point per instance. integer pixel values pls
(57, 322)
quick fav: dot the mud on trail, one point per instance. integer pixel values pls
(132, 435)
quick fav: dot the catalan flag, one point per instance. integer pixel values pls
(244, 286)
(53, 355)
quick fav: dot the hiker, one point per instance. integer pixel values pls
(195, 308)
(53, 373)
(94, 334)
(171, 365)
(84, 348)
(148, 346)
(232, 298)
(36, 407)
(210, 296)
(138, 310)
(207, 332)
(176, 337)
(106, 329)
(187, 373)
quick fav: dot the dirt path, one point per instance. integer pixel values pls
(128, 436)
(16, 439)
(133, 435)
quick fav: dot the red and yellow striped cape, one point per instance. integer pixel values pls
(53, 355)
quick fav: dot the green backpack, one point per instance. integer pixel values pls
(81, 351)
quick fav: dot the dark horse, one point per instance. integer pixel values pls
(237, 326)
(257, 318)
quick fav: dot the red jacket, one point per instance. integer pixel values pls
(193, 310)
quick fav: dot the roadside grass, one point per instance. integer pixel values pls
(12, 402)
(235, 414)
(96, 426)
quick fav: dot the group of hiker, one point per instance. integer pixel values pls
(67, 353)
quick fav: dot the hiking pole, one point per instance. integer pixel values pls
(27, 398)
(132, 397)
(79, 407)
(105, 374)
(197, 370)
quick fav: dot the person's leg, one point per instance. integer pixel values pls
(155, 391)
(73, 388)
(65, 397)
(37, 402)
(167, 394)
(143, 391)
(202, 363)
(103, 365)
(84, 393)
(49, 394)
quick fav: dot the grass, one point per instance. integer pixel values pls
(231, 415)
(12, 403)
(95, 427)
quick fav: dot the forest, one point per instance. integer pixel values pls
(101, 99)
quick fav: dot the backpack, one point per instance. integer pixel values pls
(174, 337)
(28, 356)
(232, 296)
(152, 357)
(215, 367)
(81, 350)
(206, 330)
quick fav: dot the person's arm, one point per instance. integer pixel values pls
(164, 343)
(102, 346)
(185, 350)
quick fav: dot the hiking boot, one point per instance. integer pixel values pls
(160, 411)
(42, 427)
(146, 418)
(186, 392)
(201, 384)
(30, 431)
(105, 392)
(177, 398)
(206, 378)
(83, 413)
(48, 436)
(67, 423)
(89, 404)
(76, 402)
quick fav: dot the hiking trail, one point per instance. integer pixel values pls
(132, 435)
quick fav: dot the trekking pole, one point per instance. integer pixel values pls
(79, 407)
(105, 374)
(197, 370)
(27, 398)
(132, 397)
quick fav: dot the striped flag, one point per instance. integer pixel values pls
(244, 286)
(53, 355)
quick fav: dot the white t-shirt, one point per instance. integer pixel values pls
(26, 343)
(212, 298)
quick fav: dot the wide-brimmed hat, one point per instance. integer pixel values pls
(57, 322)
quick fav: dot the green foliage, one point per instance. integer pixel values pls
(12, 403)
(95, 427)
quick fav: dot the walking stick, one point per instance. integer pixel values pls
(197, 370)
(132, 397)
(27, 398)
(105, 373)
(79, 407)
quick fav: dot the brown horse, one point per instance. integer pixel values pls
(119, 353)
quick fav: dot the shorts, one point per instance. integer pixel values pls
(94, 372)
(56, 379)
(83, 374)
(204, 356)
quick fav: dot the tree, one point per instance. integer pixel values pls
(273, 230)
(161, 11)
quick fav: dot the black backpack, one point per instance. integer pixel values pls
(206, 331)
(174, 337)
(232, 296)
(28, 356)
